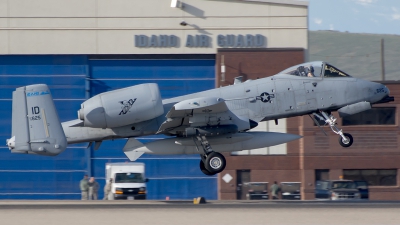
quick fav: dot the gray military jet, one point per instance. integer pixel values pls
(205, 123)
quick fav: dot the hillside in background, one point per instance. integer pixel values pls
(357, 54)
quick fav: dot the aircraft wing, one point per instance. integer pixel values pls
(204, 111)
(198, 106)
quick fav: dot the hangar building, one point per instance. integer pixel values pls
(82, 48)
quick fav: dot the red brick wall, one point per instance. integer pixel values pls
(314, 151)
(255, 63)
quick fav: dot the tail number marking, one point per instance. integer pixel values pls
(35, 112)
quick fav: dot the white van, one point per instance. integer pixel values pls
(129, 180)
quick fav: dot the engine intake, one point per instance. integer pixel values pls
(122, 107)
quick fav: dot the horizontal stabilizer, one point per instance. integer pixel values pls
(130, 149)
(77, 123)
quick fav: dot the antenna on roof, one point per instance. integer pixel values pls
(176, 4)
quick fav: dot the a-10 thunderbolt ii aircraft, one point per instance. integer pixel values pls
(205, 123)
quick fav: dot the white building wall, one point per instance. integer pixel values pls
(109, 27)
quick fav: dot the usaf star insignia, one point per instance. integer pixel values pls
(265, 97)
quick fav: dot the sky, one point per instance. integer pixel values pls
(355, 16)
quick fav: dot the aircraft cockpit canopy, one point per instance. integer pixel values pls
(331, 71)
(315, 69)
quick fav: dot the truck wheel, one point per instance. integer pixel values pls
(204, 170)
(215, 162)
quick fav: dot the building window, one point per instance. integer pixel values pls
(374, 116)
(373, 177)
(321, 174)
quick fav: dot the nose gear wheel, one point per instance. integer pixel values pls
(345, 139)
(346, 142)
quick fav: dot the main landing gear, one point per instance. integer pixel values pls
(345, 139)
(211, 162)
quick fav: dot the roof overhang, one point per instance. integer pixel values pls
(282, 2)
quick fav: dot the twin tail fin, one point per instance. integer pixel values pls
(36, 127)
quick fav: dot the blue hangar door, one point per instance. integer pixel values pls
(174, 176)
(42, 177)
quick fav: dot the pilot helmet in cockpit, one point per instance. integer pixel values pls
(312, 69)
(311, 72)
(306, 71)
(302, 71)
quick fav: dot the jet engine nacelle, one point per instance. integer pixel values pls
(122, 107)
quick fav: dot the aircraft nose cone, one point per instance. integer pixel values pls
(382, 90)
(387, 90)
(381, 95)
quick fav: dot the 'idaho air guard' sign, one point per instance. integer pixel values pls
(200, 41)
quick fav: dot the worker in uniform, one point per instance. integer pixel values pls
(84, 186)
(93, 189)
(107, 189)
(275, 189)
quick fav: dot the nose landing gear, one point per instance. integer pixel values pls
(211, 162)
(345, 139)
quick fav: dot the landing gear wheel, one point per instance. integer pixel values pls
(204, 170)
(348, 142)
(215, 162)
(345, 139)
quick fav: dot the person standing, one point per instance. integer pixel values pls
(84, 186)
(107, 189)
(275, 189)
(93, 189)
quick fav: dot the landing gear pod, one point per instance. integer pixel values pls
(354, 108)
(211, 131)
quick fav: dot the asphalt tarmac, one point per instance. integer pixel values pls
(185, 212)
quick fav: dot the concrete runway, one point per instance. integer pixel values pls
(185, 213)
